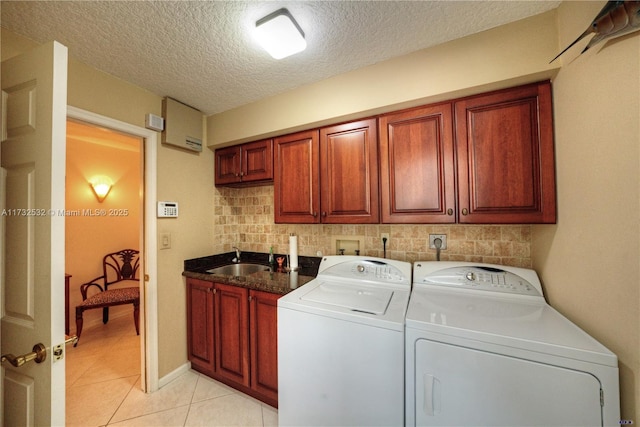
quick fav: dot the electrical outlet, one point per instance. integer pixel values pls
(384, 236)
(433, 237)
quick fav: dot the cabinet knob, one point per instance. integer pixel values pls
(449, 211)
(465, 211)
(324, 214)
(315, 214)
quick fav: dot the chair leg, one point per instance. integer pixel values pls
(136, 316)
(105, 315)
(79, 322)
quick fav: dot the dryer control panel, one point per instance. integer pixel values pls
(481, 278)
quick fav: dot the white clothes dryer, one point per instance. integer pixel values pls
(341, 345)
(483, 348)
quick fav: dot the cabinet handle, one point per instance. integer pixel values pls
(465, 211)
(449, 211)
(250, 298)
(241, 174)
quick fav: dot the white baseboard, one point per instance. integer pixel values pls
(174, 374)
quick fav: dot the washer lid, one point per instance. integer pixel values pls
(528, 324)
(350, 301)
(352, 297)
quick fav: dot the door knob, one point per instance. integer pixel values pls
(39, 354)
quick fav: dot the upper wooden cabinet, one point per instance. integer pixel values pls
(297, 178)
(505, 155)
(328, 176)
(349, 173)
(244, 164)
(417, 174)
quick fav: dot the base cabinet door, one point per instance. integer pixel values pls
(263, 312)
(200, 321)
(232, 338)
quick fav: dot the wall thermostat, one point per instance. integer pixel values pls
(167, 209)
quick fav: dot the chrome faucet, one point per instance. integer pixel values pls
(237, 253)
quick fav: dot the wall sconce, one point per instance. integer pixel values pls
(101, 186)
(280, 35)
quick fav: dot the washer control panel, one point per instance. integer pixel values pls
(371, 270)
(481, 278)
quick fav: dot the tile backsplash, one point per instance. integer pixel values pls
(243, 217)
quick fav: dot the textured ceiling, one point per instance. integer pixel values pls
(202, 52)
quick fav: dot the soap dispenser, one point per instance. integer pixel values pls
(271, 260)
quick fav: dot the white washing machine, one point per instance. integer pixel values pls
(485, 349)
(341, 345)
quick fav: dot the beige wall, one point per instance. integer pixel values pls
(497, 58)
(184, 177)
(89, 238)
(590, 261)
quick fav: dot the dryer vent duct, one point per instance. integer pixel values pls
(182, 125)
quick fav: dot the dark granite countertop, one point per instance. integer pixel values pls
(268, 281)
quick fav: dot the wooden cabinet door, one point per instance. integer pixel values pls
(263, 315)
(417, 169)
(504, 143)
(296, 180)
(257, 161)
(349, 173)
(232, 337)
(200, 325)
(228, 165)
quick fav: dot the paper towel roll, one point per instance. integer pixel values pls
(293, 279)
(293, 252)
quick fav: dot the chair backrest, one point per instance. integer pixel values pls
(121, 265)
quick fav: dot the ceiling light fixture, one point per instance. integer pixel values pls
(280, 35)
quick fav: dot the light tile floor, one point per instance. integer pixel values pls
(103, 388)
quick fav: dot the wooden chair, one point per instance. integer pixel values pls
(117, 268)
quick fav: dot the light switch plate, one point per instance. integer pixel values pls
(165, 240)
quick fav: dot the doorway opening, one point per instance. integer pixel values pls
(146, 141)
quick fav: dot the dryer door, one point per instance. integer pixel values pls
(461, 386)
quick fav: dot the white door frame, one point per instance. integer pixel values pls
(149, 281)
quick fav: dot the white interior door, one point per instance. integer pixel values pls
(34, 104)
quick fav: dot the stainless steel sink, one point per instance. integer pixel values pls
(242, 269)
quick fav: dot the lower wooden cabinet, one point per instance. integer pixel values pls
(231, 333)
(200, 321)
(232, 337)
(263, 328)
